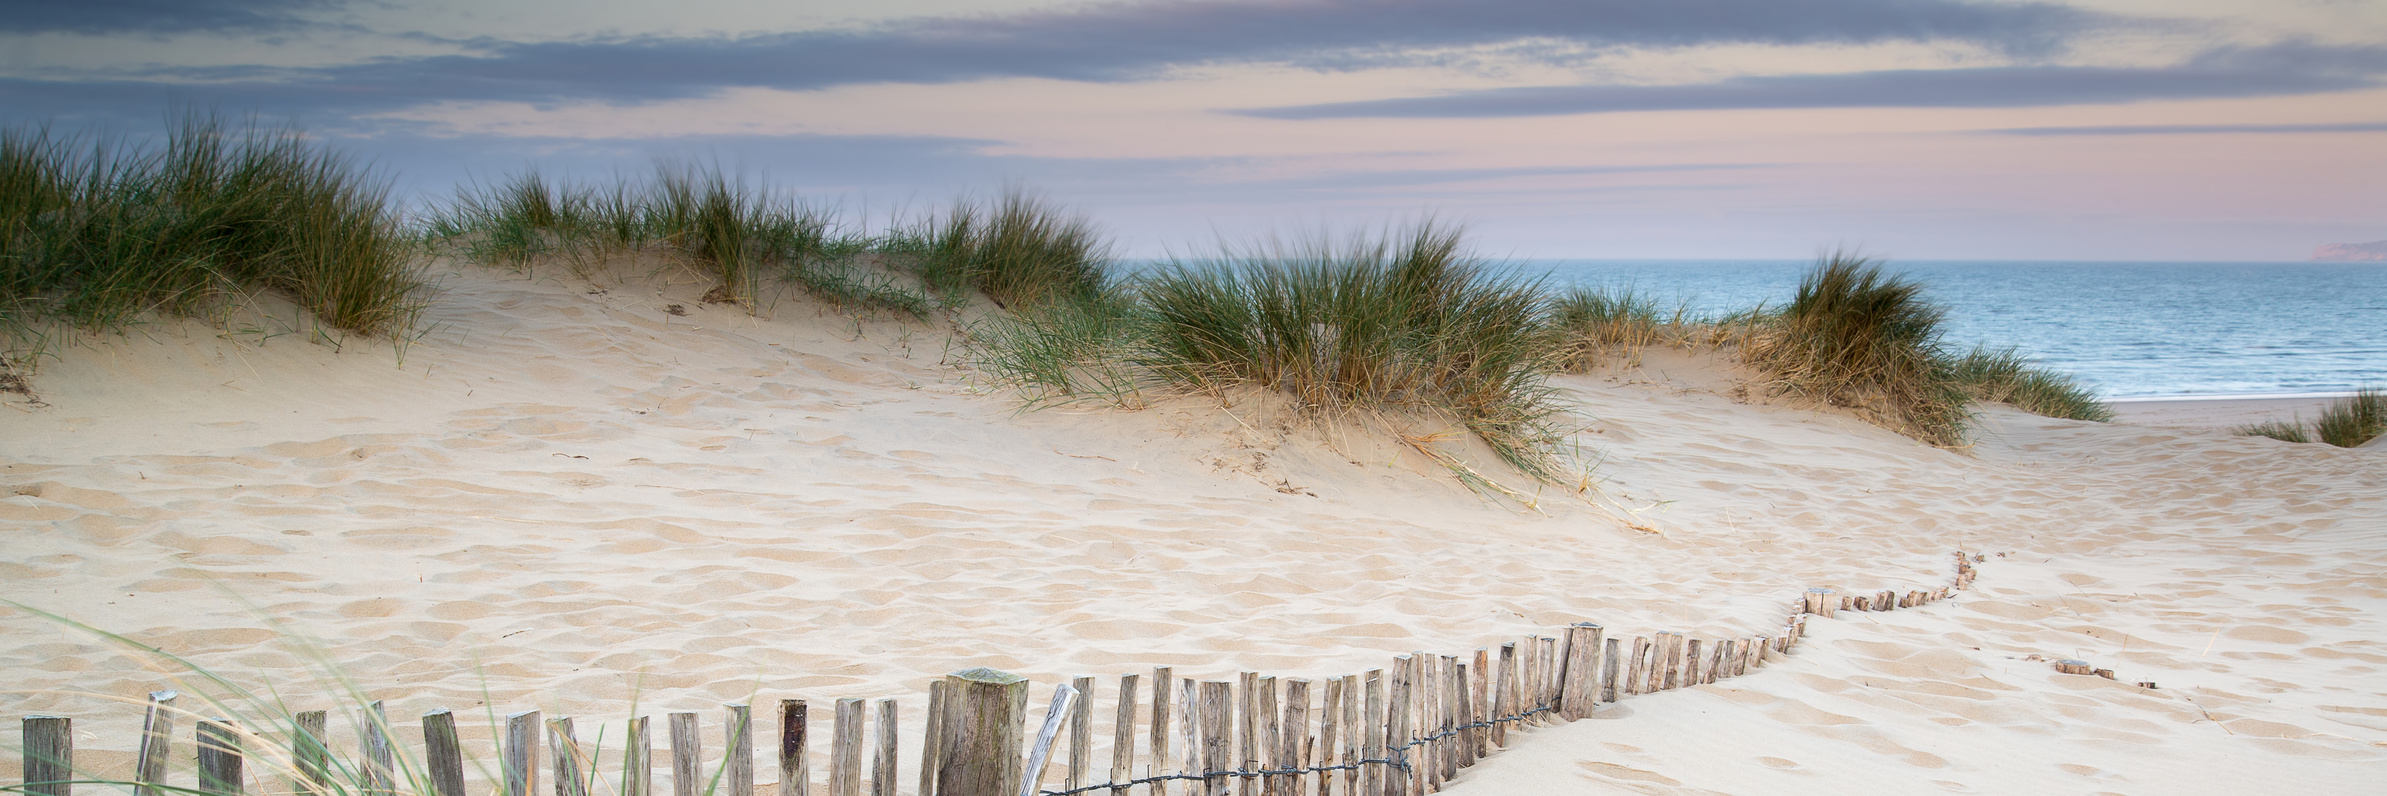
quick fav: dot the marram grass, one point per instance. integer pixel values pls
(2006, 376)
(1858, 338)
(2346, 422)
(99, 234)
(1403, 321)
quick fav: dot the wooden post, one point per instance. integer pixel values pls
(1374, 733)
(737, 750)
(1610, 662)
(1189, 716)
(157, 738)
(1081, 733)
(381, 764)
(2073, 666)
(1715, 661)
(521, 758)
(1529, 665)
(1822, 602)
(1692, 661)
(795, 764)
(1427, 684)
(1482, 700)
(1581, 674)
(845, 749)
(1463, 716)
(1163, 690)
(50, 756)
(1330, 732)
(1353, 697)
(1671, 661)
(443, 755)
(563, 749)
(309, 753)
(219, 757)
(988, 715)
(638, 757)
(1425, 690)
(1295, 736)
(1399, 745)
(883, 766)
(1213, 714)
(1055, 715)
(1552, 678)
(1271, 731)
(1452, 698)
(1246, 733)
(1638, 675)
(687, 755)
(1504, 694)
(1123, 735)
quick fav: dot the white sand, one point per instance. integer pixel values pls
(573, 500)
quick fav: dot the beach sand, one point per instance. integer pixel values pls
(568, 498)
(2218, 413)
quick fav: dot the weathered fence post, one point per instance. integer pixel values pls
(522, 754)
(1055, 715)
(987, 711)
(1295, 739)
(1373, 736)
(1213, 716)
(1330, 726)
(443, 754)
(845, 749)
(882, 768)
(308, 752)
(49, 755)
(157, 737)
(381, 759)
(795, 769)
(1081, 734)
(564, 748)
(219, 757)
(638, 759)
(1582, 673)
(1123, 735)
(1163, 690)
(932, 733)
(687, 755)
(737, 751)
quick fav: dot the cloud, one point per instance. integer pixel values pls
(2293, 68)
(2193, 129)
(1108, 42)
(152, 16)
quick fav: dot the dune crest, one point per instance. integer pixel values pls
(578, 494)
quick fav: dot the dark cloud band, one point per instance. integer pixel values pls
(2280, 70)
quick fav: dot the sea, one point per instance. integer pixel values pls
(2126, 329)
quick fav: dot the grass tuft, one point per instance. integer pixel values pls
(1020, 250)
(98, 234)
(748, 237)
(2006, 376)
(1407, 320)
(1597, 324)
(2354, 419)
(1858, 338)
(2346, 422)
(2282, 430)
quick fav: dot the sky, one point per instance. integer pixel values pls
(1775, 129)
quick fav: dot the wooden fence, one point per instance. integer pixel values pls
(1403, 730)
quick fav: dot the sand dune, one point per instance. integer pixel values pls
(571, 498)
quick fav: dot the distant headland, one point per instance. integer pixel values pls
(2374, 251)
